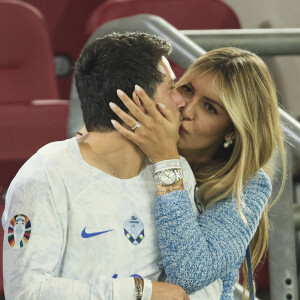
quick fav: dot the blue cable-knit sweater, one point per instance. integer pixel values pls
(198, 250)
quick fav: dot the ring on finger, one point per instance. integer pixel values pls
(137, 125)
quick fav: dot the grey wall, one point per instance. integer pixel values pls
(285, 69)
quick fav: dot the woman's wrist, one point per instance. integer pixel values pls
(168, 176)
(165, 156)
(167, 164)
(163, 190)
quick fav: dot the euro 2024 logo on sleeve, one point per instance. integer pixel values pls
(19, 231)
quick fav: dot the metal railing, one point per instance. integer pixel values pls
(260, 41)
(282, 252)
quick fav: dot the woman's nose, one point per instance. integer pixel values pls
(188, 110)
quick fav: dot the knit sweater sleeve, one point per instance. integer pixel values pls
(197, 251)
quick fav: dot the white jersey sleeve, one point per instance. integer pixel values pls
(35, 239)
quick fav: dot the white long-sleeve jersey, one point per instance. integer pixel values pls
(75, 232)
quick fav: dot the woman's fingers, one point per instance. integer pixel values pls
(137, 101)
(135, 111)
(125, 132)
(127, 119)
(148, 103)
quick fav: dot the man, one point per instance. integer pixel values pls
(87, 203)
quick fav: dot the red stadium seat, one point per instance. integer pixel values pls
(187, 14)
(182, 14)
(27, 79)
(25, 54)
(66, 20)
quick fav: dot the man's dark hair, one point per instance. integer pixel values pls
(116, 61)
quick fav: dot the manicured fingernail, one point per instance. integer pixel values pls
(137, 88)
(112, 105)
(120, 93)
(113, 122)
(161, 105)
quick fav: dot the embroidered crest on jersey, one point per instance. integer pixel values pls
(134, 230)
(19, 231)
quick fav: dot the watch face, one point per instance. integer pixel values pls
(167, 177)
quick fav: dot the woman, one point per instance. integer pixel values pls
(229, 132)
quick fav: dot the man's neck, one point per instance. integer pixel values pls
(112, 154)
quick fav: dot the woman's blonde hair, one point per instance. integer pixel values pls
(246, 89)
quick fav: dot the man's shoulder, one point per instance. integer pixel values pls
(260, 183)
(55, 152)
(39, 176)
(55, 149)
(52, 154)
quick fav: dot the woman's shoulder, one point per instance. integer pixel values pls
(260, 183)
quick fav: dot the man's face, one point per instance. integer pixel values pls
(166, 93)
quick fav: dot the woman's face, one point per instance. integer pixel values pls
(205, 123)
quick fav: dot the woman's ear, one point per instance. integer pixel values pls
(230, 132)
